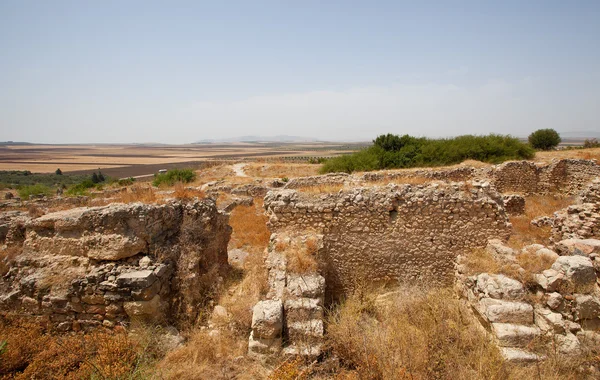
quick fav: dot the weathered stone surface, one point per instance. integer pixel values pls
(567, 344)
(514, 204)
(267, 319)
(495, 310)
(578, 272)
(262, 346)
(499, 286)
(549, 321)
(518, 356)
(151, 311)
(309, 285)
(554, 300)
(511, 335)
(137, 279)
(587, 306)
(580, 247)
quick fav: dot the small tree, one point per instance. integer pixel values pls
(58, 172)
(544, 139)
(101, 177)
(95, 178)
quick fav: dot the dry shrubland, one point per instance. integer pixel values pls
(32, 353)
(249, 225)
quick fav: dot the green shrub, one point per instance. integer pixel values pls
(37, 189)
(81, 188)
(174, 175)
(126, 181)
(544, 139)
(390, 152)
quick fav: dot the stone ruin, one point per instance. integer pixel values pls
(394, 233)
(104, 266)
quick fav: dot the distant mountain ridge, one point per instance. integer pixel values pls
(278, 138)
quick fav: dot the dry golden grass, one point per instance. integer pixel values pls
(586, 154)
(249, 225)
(186, 193)
(430, 335)
(137, 193)
(417, 335)
(249, 233)
(281, 170)
(302, 255)
(33, 354)
(212, 357)
(538, 205)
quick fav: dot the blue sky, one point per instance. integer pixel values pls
(178, 72)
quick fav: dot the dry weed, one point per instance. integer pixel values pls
(137, 193)
(212, 356)
(185, 193)
(249, 225)
(7, 256)
(417, 335)
(281, 170)
(33, 354)
(535, 206)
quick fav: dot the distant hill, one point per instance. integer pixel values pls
(279, 138)
(14, 143)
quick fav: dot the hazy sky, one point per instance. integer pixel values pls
(177, 72)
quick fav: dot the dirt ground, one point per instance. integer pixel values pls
(136, 160)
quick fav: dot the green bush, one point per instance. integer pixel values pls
(390, 152)
(37, 189)
(174, 175)
(81, 188)
(126, 181)
(544, 139)
(591, 143)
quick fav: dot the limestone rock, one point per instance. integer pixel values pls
(498, 286)
(581, 247)
(267, 319)
(511, 335)
(309, 285)
(495, 310)
(578, 272)
(518, 356)
(150, 311)
(587, 306)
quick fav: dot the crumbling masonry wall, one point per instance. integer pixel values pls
(393, 233)
(87, 267)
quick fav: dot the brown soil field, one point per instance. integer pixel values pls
(137, 160)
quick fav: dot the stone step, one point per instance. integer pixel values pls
(501, 311)
(310, 331)
(303, 309)
(513, 335)
(311, 351)
(518, 356)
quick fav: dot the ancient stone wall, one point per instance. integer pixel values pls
(567, 175)
(393, 233)
(87, 267)
(577, 221)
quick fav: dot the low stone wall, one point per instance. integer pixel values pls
(394, 233)
(87, 267)
(577, 221)
(567, 175)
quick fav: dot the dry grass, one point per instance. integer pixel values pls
(206, 356)
(249, 225)
(33, 354)
(137, 193)
(301, 255)
(586, 154)
(186, 193)
(35, 211)
(418, 335)
(7, 256)
(535, 206)
(409, 180)
(281, 170)
(430, 335)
